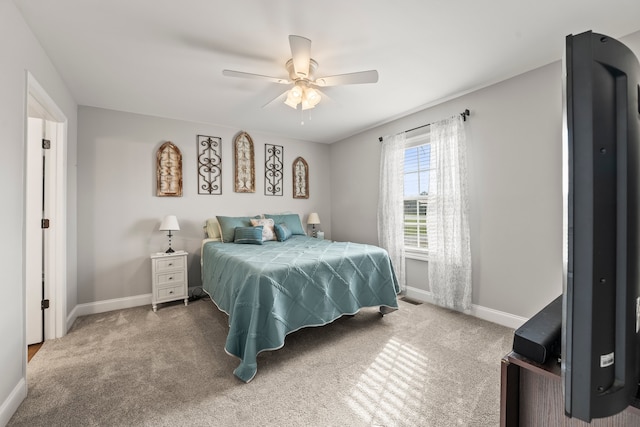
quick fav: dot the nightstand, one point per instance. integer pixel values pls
(169, 278)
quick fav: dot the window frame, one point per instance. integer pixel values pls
(422, 138)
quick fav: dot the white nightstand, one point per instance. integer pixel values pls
(169, 278)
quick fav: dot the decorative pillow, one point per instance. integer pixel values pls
(292, 221)
(228, 226)
(248, 235)
(213, 229)
(267, 228)
(282, 232)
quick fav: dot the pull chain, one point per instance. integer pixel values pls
(302, 117)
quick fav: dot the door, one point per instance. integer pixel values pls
(34, 273)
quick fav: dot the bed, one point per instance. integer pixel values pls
(273, 288)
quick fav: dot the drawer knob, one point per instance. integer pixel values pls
(170, 278)
(170, 292)
(170, 264)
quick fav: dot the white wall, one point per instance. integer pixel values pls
(119, 214)
(515, 141)
(21, 52)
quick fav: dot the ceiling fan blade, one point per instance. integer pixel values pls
(301, 54)
(231, 73)
(325, 99)
(275, 100)
(359, 77)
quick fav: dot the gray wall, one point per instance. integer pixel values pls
(119, 214)
(20, 52)
(514, 143)
(515, 162)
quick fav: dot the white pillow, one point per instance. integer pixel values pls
(268, 233)
(213, 229)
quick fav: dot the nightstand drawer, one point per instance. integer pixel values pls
(173, 263)
(176, 291)
(168, 278)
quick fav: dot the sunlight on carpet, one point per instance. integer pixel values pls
(389, 386)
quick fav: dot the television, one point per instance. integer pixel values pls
(601, 183)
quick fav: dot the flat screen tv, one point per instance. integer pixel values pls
(601, 298)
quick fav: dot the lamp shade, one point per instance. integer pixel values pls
(292, 101)
(312, 96)
(169, 223)
(313, 218)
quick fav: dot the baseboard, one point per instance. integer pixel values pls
(106, 305)
(419, 294)
(495, 316)
(500, 317)
(489, 314)
(10, 405)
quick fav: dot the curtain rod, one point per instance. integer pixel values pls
(464, 115)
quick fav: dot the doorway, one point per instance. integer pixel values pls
(45, 198)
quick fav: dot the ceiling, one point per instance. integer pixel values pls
(165, 58)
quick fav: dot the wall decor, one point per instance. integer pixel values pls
(169, 170)
(273, 169)
(300, 179)
(209, 164)
(245, 176)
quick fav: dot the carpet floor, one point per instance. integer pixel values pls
(419, 366)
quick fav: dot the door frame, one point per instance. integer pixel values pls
(55, 267)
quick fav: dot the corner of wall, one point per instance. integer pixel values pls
(13, 401)
(107, 305)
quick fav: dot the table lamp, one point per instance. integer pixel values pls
(170, 223)
(313, 220)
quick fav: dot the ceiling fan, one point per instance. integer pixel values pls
(301, 68)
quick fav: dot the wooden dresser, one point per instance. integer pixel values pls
(531, 396)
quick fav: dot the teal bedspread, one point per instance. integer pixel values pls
(273, 289)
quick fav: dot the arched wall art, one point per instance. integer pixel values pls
(245, 175)
(300, 179)
(168, 171)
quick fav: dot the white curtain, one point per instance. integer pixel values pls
(448, 216)
(391, 203)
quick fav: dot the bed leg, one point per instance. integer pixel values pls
(386, 310)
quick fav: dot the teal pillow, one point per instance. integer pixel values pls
(282, 232)
(248, 235)
(292, 221)
(228, 226)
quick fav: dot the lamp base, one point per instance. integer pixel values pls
(170, 251)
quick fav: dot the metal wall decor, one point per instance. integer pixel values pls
(245, 176)
(300, 179)
(168, 170)
(209, 164)
(273, 169)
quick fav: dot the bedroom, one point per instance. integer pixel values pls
(515, 126)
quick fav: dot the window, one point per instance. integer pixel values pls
(417, 161)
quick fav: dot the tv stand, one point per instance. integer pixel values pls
(531, 395)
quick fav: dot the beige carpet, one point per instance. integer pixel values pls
(419, 366)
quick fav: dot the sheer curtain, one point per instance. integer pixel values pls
(391, 203)
(448, 216)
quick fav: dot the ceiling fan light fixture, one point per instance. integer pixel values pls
(296, 92)
(292, 101)
(312, 96)
(306, 105)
